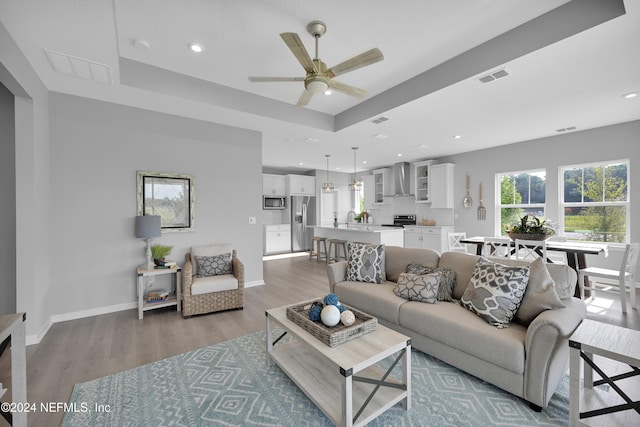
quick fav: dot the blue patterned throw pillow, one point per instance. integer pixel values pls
(365, 262)
(495, 292)
(213, 265)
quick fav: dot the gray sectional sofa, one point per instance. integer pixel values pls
(526, 360)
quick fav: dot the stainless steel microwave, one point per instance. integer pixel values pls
(274, 202)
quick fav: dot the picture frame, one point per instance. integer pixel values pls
(169, 195)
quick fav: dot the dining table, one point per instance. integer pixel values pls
(576, 253)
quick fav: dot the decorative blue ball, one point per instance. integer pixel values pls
(342, 308)
(314, 313)
(331, 299)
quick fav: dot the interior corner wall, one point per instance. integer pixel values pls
(8, 189)
(96, 149)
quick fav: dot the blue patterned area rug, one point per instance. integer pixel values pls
(228, 384)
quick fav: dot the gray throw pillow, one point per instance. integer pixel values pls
(540, 294)
(495, 291)
(447, 281)
(418, 288)
(216, 265)
(365, 262)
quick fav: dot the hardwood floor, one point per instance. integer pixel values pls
(84, 349)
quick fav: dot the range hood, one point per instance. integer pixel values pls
(400, 178)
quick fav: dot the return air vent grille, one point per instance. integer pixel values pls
(380, 120)
(569, 129)
(494, 76)
(79, 67)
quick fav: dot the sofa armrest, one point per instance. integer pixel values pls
(336, 272)
(187, 276)
(547, 349)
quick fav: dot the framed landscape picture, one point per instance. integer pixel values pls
(169, 195)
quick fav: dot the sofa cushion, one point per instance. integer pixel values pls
(397, 258)
(423, 288)
(447, 280)
(540, 294)
(378, 301)
(454, 326)
(463, 264)
(213, 265)
(207, 285)
(208, 250)
(495, 291)
(365, 262)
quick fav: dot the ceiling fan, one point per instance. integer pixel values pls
(319, 78)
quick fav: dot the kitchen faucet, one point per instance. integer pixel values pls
(349, 214)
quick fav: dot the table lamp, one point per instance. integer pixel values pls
(148, 227)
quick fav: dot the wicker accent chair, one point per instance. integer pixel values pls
(212, 293)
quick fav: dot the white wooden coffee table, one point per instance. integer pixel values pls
(344, 377)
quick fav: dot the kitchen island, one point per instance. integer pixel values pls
(363, 233)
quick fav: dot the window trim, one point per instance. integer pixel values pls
(562, 204)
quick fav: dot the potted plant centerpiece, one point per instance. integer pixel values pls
(530, 227)
(159, 252)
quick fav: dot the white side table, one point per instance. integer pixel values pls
(612, 342)
(12, 325)
(175, 298)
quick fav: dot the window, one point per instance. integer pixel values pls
(521, 193)
(595, 201)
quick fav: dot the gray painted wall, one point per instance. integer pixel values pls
(96, 149)
(8, 190)
(606, 143)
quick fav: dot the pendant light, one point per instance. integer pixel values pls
(328, 187)
(355, 185)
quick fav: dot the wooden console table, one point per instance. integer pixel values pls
(12, 327)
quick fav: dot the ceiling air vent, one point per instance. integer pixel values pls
(494, 76)
(569, 129)
(79, 67)
(380, 120)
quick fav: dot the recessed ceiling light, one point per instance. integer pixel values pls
(421, 146)
(196, 47)
(457, 136)
(630, 95)
(380, 136)
(310, 139)
(141, 44)
(364, 162)
(300, 163)
(399, 154)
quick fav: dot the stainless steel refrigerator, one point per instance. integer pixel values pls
(303, 217)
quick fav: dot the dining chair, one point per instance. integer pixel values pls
(557, 257)
(497, 246)
(454, 242)
(529, 250)
(625, 275)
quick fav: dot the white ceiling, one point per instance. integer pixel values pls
(576, 81)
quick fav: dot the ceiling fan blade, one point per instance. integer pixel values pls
(299, 51)
(367, 58)
(276, 79)
(349, 90)
(304, 98)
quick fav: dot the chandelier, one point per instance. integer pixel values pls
(355, 185)
(328, 187)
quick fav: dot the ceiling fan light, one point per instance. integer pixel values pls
(317, 86)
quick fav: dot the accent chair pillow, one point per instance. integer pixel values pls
(365, 262)
(495, 291)
(447, 281)
(216, 265)
(540, 294)
(423, 288)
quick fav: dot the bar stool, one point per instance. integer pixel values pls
(315, 244)
(334, 246)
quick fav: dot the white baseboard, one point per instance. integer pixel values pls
(35, 339)
(254, 283)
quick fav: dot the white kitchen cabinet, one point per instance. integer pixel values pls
(435, 238)
(301, 185)
(277, 238)
(381, 184)
(367, 182)
(422, 180)
(442, 186)
(329, 207)
(273, 185)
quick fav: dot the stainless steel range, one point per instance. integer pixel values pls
(401, 220)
